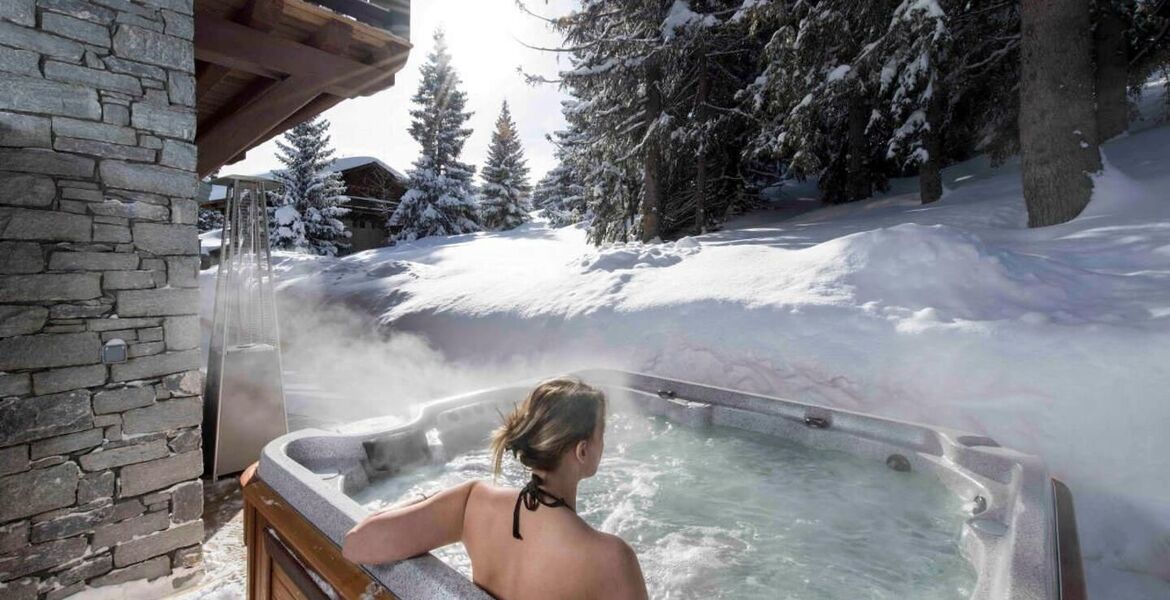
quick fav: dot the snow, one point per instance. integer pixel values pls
(680, 16)
(838, 73)
(1054, 341)
(210, 240)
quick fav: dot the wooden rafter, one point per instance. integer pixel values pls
(249, 94)
(364, 11)
(263, 109)
(333, 38)
(207, 76)
(262, 15)
(319, 105)
(292, 81)
(223, 42)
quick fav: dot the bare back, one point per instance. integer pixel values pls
(561, 556)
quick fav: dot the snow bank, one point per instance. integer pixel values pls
(210, 240)
(615, 257)
(1054, 341)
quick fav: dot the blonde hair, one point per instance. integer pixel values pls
(556, 415)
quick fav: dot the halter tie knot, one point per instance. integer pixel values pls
(532, 496)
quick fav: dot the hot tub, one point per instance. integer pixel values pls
(864, 497)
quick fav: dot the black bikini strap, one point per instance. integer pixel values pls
(533, 496)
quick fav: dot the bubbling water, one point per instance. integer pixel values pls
(729, 514)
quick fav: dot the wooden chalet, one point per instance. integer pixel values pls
(264, 66)
(374, 189)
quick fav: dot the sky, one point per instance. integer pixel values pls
(485, 38)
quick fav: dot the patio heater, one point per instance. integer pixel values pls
(243, 405)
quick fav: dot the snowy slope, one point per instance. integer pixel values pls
(1053, 341)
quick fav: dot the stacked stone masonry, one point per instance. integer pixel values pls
(99, 463)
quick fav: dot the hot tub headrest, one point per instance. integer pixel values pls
(391, 452)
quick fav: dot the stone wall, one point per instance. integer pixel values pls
(99, 463)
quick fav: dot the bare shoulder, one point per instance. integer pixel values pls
(615, 550)
(482, 490)
(486, 498)
(617, 558)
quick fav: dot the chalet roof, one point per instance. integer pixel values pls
(263, 66)
(219, 191)
(347, 163)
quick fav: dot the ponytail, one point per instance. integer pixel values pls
(556, 415)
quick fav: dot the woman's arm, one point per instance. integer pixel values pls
(401, 533)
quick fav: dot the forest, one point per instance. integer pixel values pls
(684, 113)
(681, 114)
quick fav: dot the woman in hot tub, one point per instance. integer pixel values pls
(559, 433)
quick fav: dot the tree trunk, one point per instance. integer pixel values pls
(857, 183)
(651, 185)
(930, 171)
(1058, 124)
(1112, 76)
(701, 159)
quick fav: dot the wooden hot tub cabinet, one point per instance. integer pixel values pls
(285, 552)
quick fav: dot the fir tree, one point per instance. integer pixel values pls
(917, 56)
(306, 216)
(656, 138)
(209, 219)
(439, 199)
(815, 96)
(503, 200)
(558, 196)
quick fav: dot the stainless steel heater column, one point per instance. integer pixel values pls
(244, 401)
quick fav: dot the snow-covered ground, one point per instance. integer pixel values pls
(1053, 341)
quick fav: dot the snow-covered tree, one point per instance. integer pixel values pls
(654, 138)
(705, 43)
(915, 55)
(306, 213)
(439, 199)
(816, 95)
(209, 219)
(504, 193)
(559, 197)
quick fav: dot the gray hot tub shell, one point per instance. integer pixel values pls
(1011, 539)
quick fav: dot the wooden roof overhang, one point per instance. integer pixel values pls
(264, 66)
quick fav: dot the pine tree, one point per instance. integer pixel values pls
(560, 199)
(1058, 121)
(209, 219)
(948, 81)
(306, 213)
(440, 199)
(705, 44)
(504, 194)
(815, 96)
(613, 48)
(656, 136)
(915, 54)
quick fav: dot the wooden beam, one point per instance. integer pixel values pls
(318, 105)
(333, 38)
(207, 76)
(263, 15)
(368, 13)
(259, 114)
(390, 60)
(236, 46)
(249, 94)
(242, 128)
